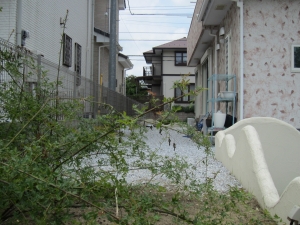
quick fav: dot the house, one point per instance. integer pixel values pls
(259, 42)
(38, 25)
(168, 64)
(101, 47)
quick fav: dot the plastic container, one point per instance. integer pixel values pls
(219, 119)
(190, 121)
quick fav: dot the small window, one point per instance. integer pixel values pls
(67, 50)
(296, 58)
(78, 63)
(185, 99)
(180, 59)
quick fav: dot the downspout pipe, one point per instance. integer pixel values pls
(240, 4)
(19, 22)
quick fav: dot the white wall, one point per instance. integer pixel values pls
(42, 19)
(169, 64)
(8, 20)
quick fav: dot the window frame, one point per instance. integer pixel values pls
(67, 50)
(190, 98)
(181, 63)
(293, 68)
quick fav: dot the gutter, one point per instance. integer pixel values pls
(203, 10)
(240, 4)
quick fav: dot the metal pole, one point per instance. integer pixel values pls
(112, 45)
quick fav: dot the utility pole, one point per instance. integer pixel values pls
(112, 45)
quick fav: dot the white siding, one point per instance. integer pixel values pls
(42, 19)
(8, 20)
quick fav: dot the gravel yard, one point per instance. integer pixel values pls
(188, 150)
(184, 148)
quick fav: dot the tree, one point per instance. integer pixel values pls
(134, 88)
(46, 150)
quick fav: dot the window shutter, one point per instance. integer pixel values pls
(78, 63)
(67, 50)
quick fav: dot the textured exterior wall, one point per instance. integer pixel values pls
(169, 64)
(194, 32)
(231, 24)
(8, 20)
(271, 89)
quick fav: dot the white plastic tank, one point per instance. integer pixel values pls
(219, 119)
(190, 121)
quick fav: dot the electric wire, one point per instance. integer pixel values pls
(145, 32)
(132, 37)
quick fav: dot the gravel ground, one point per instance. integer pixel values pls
(188, 150)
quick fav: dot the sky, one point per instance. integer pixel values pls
(140, 33)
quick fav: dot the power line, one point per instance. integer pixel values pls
(159, 14)
(160, 6)
(147, 40)
(143, 9)
(143, 21)
(132, 38)
(150, 32)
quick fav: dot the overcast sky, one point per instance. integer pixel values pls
(140, 33)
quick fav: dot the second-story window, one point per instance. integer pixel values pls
(180, 59)
(67, 51)
(78, 63)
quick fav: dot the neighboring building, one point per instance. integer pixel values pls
(259, 42)
(168, 64)
(101, 47)
(41, 21)
(86, 50)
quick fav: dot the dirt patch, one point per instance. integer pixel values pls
(236, 207)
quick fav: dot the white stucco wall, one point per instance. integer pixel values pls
(169, 64)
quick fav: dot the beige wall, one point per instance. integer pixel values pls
(102, 20)
(169, 64)
(168, 82)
